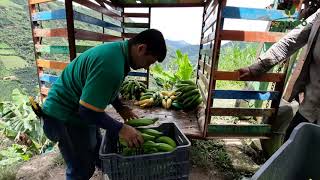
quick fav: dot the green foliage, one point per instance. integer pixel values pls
(179, 68)
(235, 57)
(13, 154)
(13, 62)
(18, 120)
(8, 172)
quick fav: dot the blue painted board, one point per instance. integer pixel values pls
(143, 74)
(49, 15)
(91, 20)
(234, 94)
(256, 14)
(48, 78)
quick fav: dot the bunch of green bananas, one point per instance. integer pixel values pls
(188, 95)
(154, 141)
(132, 89)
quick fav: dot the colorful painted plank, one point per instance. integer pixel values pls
(236, 130)
(95, 21)
(60, 32)
(250, 36)
(142, 74)
(255, 14)
(44, 91)
(136, 25)
(236, 94)
(40, 1)
(49, 15)
(59, 49)
(129, 35)
(114, 14)
(94, 36)
(241, 112)
(51, 64)
(234, 76)
(48, 78)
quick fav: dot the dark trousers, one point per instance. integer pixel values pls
(297, 119)
(79, 146)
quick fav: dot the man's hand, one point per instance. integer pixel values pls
(244, 73)
(126, 113)
(131, 136)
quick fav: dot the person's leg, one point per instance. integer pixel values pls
(99, 141)
(84, 141)
(297, 119)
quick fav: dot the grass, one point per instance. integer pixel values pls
(3, 45)
(211, 154)
(13, 62)
(9, 3)
(7, 51)
(6, 89)
(8, 172)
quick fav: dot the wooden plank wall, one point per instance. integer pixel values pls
(213, 33)
(73, 35)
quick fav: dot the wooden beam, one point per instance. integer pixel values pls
(206, 66)
(235, 76)
(235, 130)
(129, 35)
(49, 15)
(179, 4)
(40, 1)
(241, 112)
(136, 15)
(44, 91)
(60, 32)
(51, 64)
(237, 94)
(250, 36)
(256, 14)
(136, 25)
(59, 49)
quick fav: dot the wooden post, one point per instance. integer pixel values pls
(214, 63)
(36, 40)
(70, 28)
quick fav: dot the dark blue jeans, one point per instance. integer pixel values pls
(79, 146)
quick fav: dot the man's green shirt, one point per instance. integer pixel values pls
(93, 77)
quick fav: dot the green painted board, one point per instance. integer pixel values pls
(234, 129)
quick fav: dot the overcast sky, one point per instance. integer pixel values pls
(185, 23)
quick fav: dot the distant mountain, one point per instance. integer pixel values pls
(176, 44)
(191, 50)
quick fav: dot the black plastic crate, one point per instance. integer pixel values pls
(297, 158)
(164, 165)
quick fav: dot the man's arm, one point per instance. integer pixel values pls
(124, 111)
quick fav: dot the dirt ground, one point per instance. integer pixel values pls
(45, 167)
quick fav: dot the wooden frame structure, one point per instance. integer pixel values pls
(213, 32)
